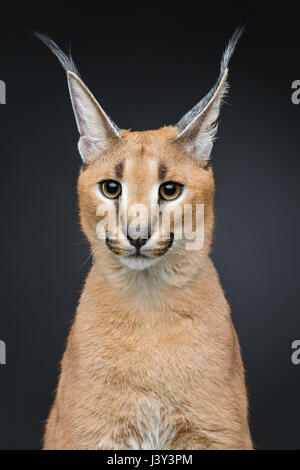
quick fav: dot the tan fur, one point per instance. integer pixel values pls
(152, 359)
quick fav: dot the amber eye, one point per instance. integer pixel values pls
(170, 190)
(111, 189)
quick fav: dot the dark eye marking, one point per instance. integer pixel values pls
(162, 171)
(119, 170)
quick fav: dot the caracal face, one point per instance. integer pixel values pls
(136, 198)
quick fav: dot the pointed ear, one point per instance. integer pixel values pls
(96, 130)
(197, 129)
(198, 136)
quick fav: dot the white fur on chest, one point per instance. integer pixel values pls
(154, 431)
(151, 428)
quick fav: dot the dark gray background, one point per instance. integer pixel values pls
(147, 67)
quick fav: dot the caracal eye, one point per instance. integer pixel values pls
(170, 190)
(111, 189)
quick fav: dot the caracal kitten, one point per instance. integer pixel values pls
(152, 359)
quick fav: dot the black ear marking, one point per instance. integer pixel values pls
(84, 166)
(206, 164)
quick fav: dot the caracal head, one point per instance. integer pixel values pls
(146, 196)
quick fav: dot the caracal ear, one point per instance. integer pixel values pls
(97, 131)
(197, 129)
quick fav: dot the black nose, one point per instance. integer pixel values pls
(137, 242)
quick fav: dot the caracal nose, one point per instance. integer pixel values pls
(137, 242)
(138, 236)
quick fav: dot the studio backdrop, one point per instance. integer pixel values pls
(147, 67)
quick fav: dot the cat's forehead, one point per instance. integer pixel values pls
(147, 144)
(150, 137)
(140, 148)
(148, 155)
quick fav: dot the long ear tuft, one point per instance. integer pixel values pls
(198, 127)
(97, 131)
(65, 61)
